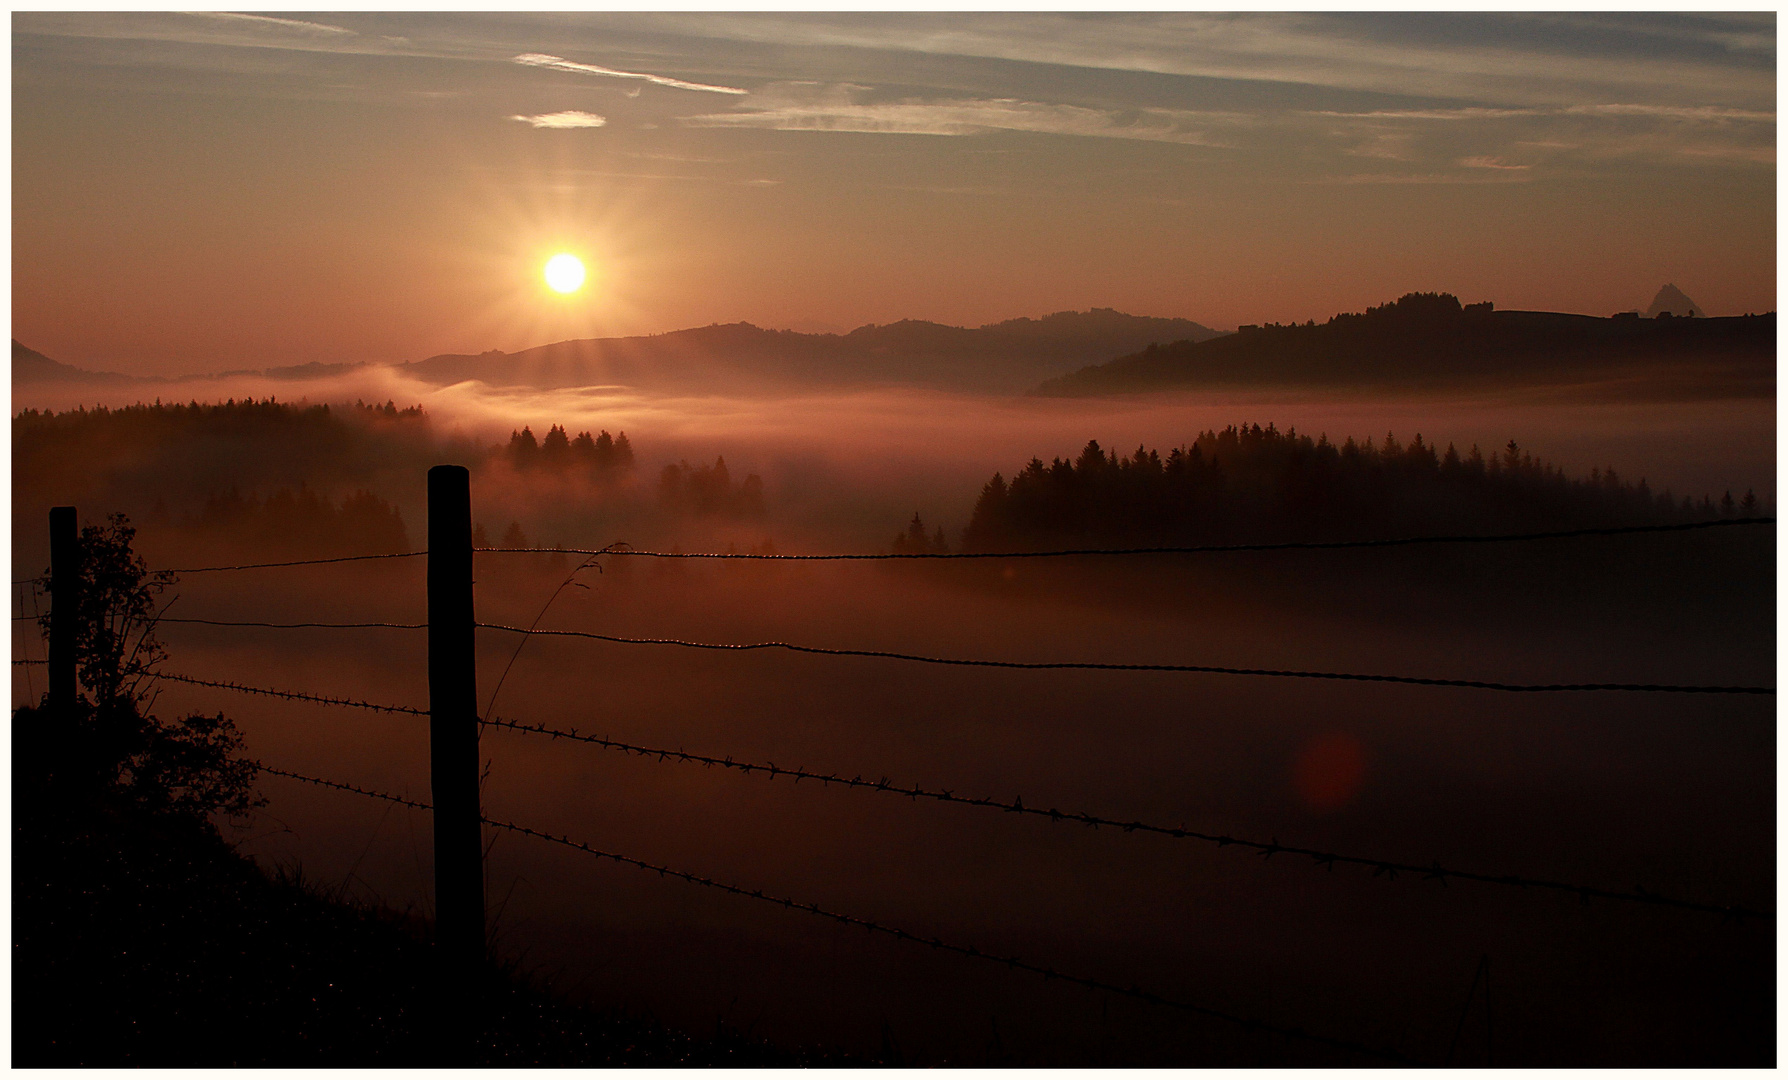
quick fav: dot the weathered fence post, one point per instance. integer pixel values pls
(65, 572)
(453, 722)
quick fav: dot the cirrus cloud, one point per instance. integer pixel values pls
(559, 63)
(563, 121)
(844, 107)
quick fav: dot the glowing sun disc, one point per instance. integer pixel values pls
(564, 273)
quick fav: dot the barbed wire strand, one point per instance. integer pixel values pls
(1401, 679)
(1327, 859)
(1407, 680)
(1011, 962)
(305, 625)
(296, 562)
(1320, 545)
(1201, 669)
(1386, 868)
(290, 695)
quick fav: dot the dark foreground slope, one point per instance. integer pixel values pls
(1430, 342)
(140, 941)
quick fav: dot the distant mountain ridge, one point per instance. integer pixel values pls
(31, 366)
(1431, 341)
(1005, 356)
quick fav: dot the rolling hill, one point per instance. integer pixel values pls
(735, 357)
(1430, 341)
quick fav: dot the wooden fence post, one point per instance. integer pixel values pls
(453, 722)
(65, 571)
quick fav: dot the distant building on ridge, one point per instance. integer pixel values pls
(1671, 301)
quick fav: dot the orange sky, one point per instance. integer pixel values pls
(206, 192)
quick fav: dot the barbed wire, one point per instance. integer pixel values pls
(1010, 962)
(339, 786)
(1327, 859)
(1386, 868)
(304, 625)
(1201, 669)
(297, 562)
(266, 565)
(290, 695)
(1319, 545)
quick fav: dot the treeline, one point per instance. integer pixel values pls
(162, 419)
(1250, 484)
(708, 490)
(126, 458)
(558, 452)
(301, 523)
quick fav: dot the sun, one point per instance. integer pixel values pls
(564, 273)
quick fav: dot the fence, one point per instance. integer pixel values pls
(454, 728)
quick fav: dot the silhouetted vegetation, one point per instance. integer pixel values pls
(109, 744)
(708, 490)
(184, 456)
(914, 541)
(1251, 484)
(559, 453)
(303, 524)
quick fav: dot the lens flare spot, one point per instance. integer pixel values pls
(1329, 770)
(564, 273)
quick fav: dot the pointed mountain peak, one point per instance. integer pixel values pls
(1671, 299)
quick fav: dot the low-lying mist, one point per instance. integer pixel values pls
(1672, 792)
(849, 469)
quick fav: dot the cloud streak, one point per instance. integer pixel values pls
(1463, 56)
(805, 106)
(562, 121)
(270, 22)
(559, 63)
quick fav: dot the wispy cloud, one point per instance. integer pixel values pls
(1473, 113)
(1475, 57)
(270, 22)
(1712, 114)
(558, 63)
(562, 121)
(210, 28)
(807, 106)
(1704, 113)
(1497, 177)
(1487, 162)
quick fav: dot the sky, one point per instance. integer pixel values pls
(206, 192)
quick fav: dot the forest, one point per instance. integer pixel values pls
(557, 452)
(1249, 484)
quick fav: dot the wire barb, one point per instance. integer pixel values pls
(290, 695)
